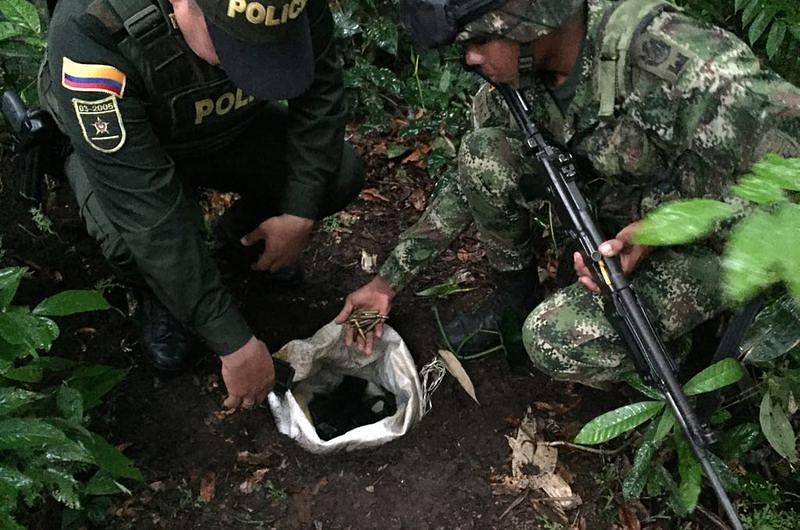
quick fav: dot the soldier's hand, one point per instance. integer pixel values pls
(285, 236)
(629, 254)
(248, 374)
(377, 295)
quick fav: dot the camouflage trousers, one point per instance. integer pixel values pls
(568, 336)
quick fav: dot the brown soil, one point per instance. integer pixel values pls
(439, 476)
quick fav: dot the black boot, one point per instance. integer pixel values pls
(516, 295)
(167, 344)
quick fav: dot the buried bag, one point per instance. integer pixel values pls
(344, 390)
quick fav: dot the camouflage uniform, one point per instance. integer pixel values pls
(689, 110)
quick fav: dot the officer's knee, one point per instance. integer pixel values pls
(546, 347)
(568, 337)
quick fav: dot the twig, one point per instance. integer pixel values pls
(513, 505)
(607, 452)
(557, 499)
(719, 523)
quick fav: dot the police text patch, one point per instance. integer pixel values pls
(101, 123)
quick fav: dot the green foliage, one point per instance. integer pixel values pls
(444, 290)
(763, 247)
(22, 46)
(45, 448)
(683, 495)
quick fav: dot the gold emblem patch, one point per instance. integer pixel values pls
(101, 123)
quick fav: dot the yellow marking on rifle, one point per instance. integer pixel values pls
(604, 272)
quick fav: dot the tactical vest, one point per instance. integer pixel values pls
(192, 105)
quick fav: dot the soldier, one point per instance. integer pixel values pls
(158, 98)
(655, 106)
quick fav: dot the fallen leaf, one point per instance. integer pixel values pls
(418, 199)
(369, 262)
(249, 485)
(416, 154)
(253, 459)
(371, 194)
(208, 486)
(85, 331)
(157, 486)
(370, 489)
(628, 518)
(456, 370)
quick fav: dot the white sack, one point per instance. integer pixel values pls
(321, 361)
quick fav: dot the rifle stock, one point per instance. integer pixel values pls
(628, 316)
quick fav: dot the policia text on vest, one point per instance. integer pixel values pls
(257, 13)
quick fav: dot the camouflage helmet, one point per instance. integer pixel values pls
(521, 20)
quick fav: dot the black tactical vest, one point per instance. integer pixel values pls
(193, 106)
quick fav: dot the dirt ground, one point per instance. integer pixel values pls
(440, 476)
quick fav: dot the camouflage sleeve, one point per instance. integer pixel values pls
(703, 97)
(442, 221)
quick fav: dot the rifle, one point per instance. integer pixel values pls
(39, 147)
(628, 315)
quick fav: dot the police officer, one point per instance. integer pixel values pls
(655, 106)
(158, 98)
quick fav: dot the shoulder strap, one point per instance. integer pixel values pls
(621, 26)
(142, 20)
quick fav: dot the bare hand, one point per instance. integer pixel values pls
(284, 236)
(248, 374)
(630, 255)
(377, 295)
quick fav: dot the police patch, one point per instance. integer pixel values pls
(101, 123)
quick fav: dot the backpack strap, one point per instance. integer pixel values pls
(628, 19)
(140, 20)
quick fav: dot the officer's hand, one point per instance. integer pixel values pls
(377, 295)
(248, 374)
(630, 255)
(284, 236)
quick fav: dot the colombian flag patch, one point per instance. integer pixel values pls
(92, 78)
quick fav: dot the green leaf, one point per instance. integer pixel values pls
(22, 12)
(774, 331)
(21, 328)
(70, 403)
(680, 222)
(93, 382)
(637, 477)
(751, 263)
(7, 522)
(741, 4)
(102, 484)
(15, 478)
(777, 35)
(62, 485)
(777, 428)
(12, 398)
(383, 33)
(22, 433)
(750, 12)
(691, 476)
(396, 150)
(665, 425)
(739, 440)
(29, 373)
(444, 290)
(720, 417)
(9, 283)
(67, 451)
(110, 459)
(787, 221)
(755, 189)
(760, 24)
(635, 380)
(730, 480)
(782, 172)
(718, 375)
(619, 421)
(70, 302)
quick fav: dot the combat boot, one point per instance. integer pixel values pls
(516, 294)
(167, 344)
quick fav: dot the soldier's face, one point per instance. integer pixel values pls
(497, 58)
(192, 25)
